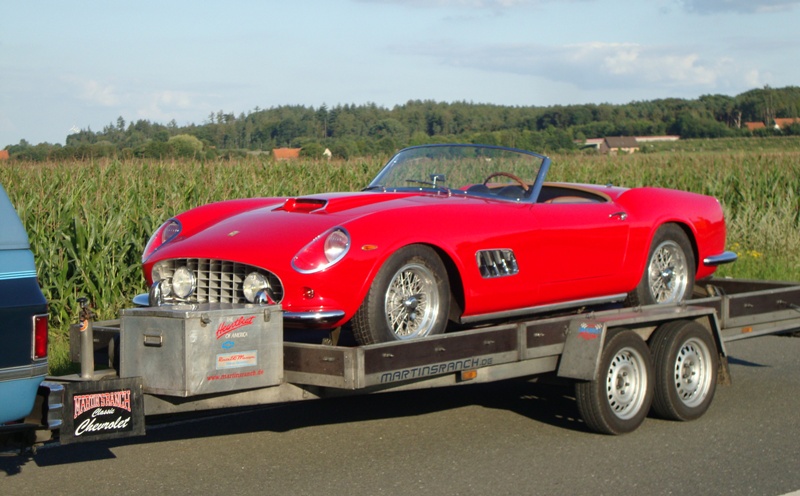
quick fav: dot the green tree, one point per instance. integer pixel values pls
(186, 145)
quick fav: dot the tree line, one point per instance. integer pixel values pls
(370, 130)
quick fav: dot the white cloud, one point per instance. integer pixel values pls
(163, 105)
(96, 92)
(738, 6)
(600, 65)
(754, 79)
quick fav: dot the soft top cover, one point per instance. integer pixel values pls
(12, 232)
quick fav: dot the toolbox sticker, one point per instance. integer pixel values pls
(590, 331)
(237, 360)
(227, 328)
(228, 345)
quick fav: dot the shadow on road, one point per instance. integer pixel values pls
(549, 402)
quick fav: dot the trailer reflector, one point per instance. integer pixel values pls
(468, 375)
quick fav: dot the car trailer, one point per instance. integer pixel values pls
(624, 362)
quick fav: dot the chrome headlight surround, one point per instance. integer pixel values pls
(163, 235)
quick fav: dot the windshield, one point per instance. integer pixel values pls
(480, 170)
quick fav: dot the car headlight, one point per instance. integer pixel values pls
(324, 251)
(253, 284)
(183, 282)
(163, 235)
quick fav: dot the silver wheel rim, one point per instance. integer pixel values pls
(668, 273)
(412, 302)
(626, 383)
(692, 373)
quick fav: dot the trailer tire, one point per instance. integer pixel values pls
(686, 363)
(619, 399)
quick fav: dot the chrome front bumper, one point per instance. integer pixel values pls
(314, 318)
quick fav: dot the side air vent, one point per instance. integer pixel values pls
(497, 263)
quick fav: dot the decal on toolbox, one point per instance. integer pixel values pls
(228, 345)
(236, 375)
(224, 328)
(237, 359)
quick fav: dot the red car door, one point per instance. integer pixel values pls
(580, 249)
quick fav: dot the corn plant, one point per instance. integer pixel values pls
(88, 222)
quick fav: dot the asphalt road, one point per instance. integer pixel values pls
(514, 437)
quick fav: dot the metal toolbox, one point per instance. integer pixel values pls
(188, 350)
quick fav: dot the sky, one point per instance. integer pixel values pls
(69, 66)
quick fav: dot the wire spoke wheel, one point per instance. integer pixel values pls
(412, 302)
(668, 273)
(408, 299)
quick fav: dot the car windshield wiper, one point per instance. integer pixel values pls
(376, 187)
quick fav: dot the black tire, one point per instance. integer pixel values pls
(408, 299)
(670, 270)
(619, 399)
(686, 361)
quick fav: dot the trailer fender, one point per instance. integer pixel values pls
(586, 336)
(582, 349)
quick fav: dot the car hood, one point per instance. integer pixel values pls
(274, 230)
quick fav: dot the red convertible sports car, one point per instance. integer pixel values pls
(444, 233)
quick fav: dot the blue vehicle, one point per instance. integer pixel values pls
(23, 319)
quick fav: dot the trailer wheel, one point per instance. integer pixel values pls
(408, 299)
(685, 370)
(618, 400)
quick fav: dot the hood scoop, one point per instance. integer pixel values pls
(303, 205)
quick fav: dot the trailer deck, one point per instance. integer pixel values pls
(571, 346)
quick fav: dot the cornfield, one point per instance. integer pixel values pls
(88, 222)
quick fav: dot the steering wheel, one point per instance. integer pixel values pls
(509, 175)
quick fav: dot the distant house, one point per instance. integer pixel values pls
(590, 143)
(657, 139)
(626, 144)
(752, 126)
(619, 144)
(286, 153)
(783, 123)
(3, 154)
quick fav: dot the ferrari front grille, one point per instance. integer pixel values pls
(497, 263)
(217, 281)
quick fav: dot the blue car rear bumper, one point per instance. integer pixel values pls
(18, 395)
